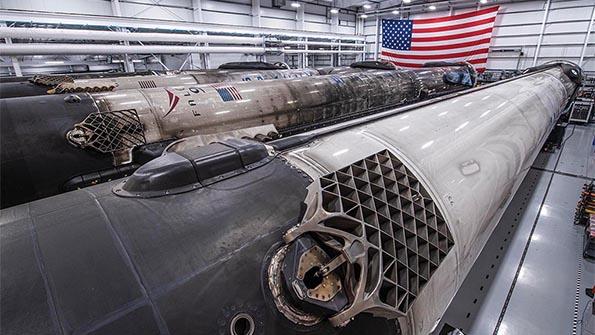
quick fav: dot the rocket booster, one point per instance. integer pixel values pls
(184, 78)
(248, 71)
(54, 143)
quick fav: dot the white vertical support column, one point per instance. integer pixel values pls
(357, 33)
(300, 57)
(16, 65)
(335, 59)
(264, 45)
(333, 56)
(197, 10)
(198, 17)
(587, 36)
(128, 64)
(540, 39)
(117, 11)
(299, 18)
(339, 54)
(256, 13)
(377, 39)
(299, 25)
(334, 23)
(306, 54)
(359, 30)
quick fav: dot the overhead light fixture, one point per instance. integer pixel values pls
(367, 6)
(334, 11)
(364, 16)
(295, 5)
(432, 7)
(483, 1)
(406, 1)
(395, 12)
(54, 62)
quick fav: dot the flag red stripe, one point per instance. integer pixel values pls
(450, 46)
(417, 65)
(451, 37)
(453, 27)
(235, 93)
(456, 17)
(439, 56)
(478, 61)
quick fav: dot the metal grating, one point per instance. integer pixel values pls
(111, 131)
(147, 84)
(380, 203)
(51, 80)
(75, 88)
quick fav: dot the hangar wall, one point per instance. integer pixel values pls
(516, 36)
(517, 29)
(229, 12)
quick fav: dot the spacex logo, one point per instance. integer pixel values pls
(173, 101)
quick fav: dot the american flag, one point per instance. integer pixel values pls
(456, 38)
(228, 93)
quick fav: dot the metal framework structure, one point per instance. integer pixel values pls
(199, 37)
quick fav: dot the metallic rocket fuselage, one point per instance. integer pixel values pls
(178, 112)
(54, 143)
(184, 246)
(184, 78)
(469, 154)
(44, 84)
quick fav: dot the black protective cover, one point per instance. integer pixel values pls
(36, 159)
(90, 262)
(13, 89)
(13, 79)
(373, 65)
(249, 66)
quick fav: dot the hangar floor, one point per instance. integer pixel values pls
(531, 276)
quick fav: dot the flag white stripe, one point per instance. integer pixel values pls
(451, 42)
(453, 31)
(454, 22)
